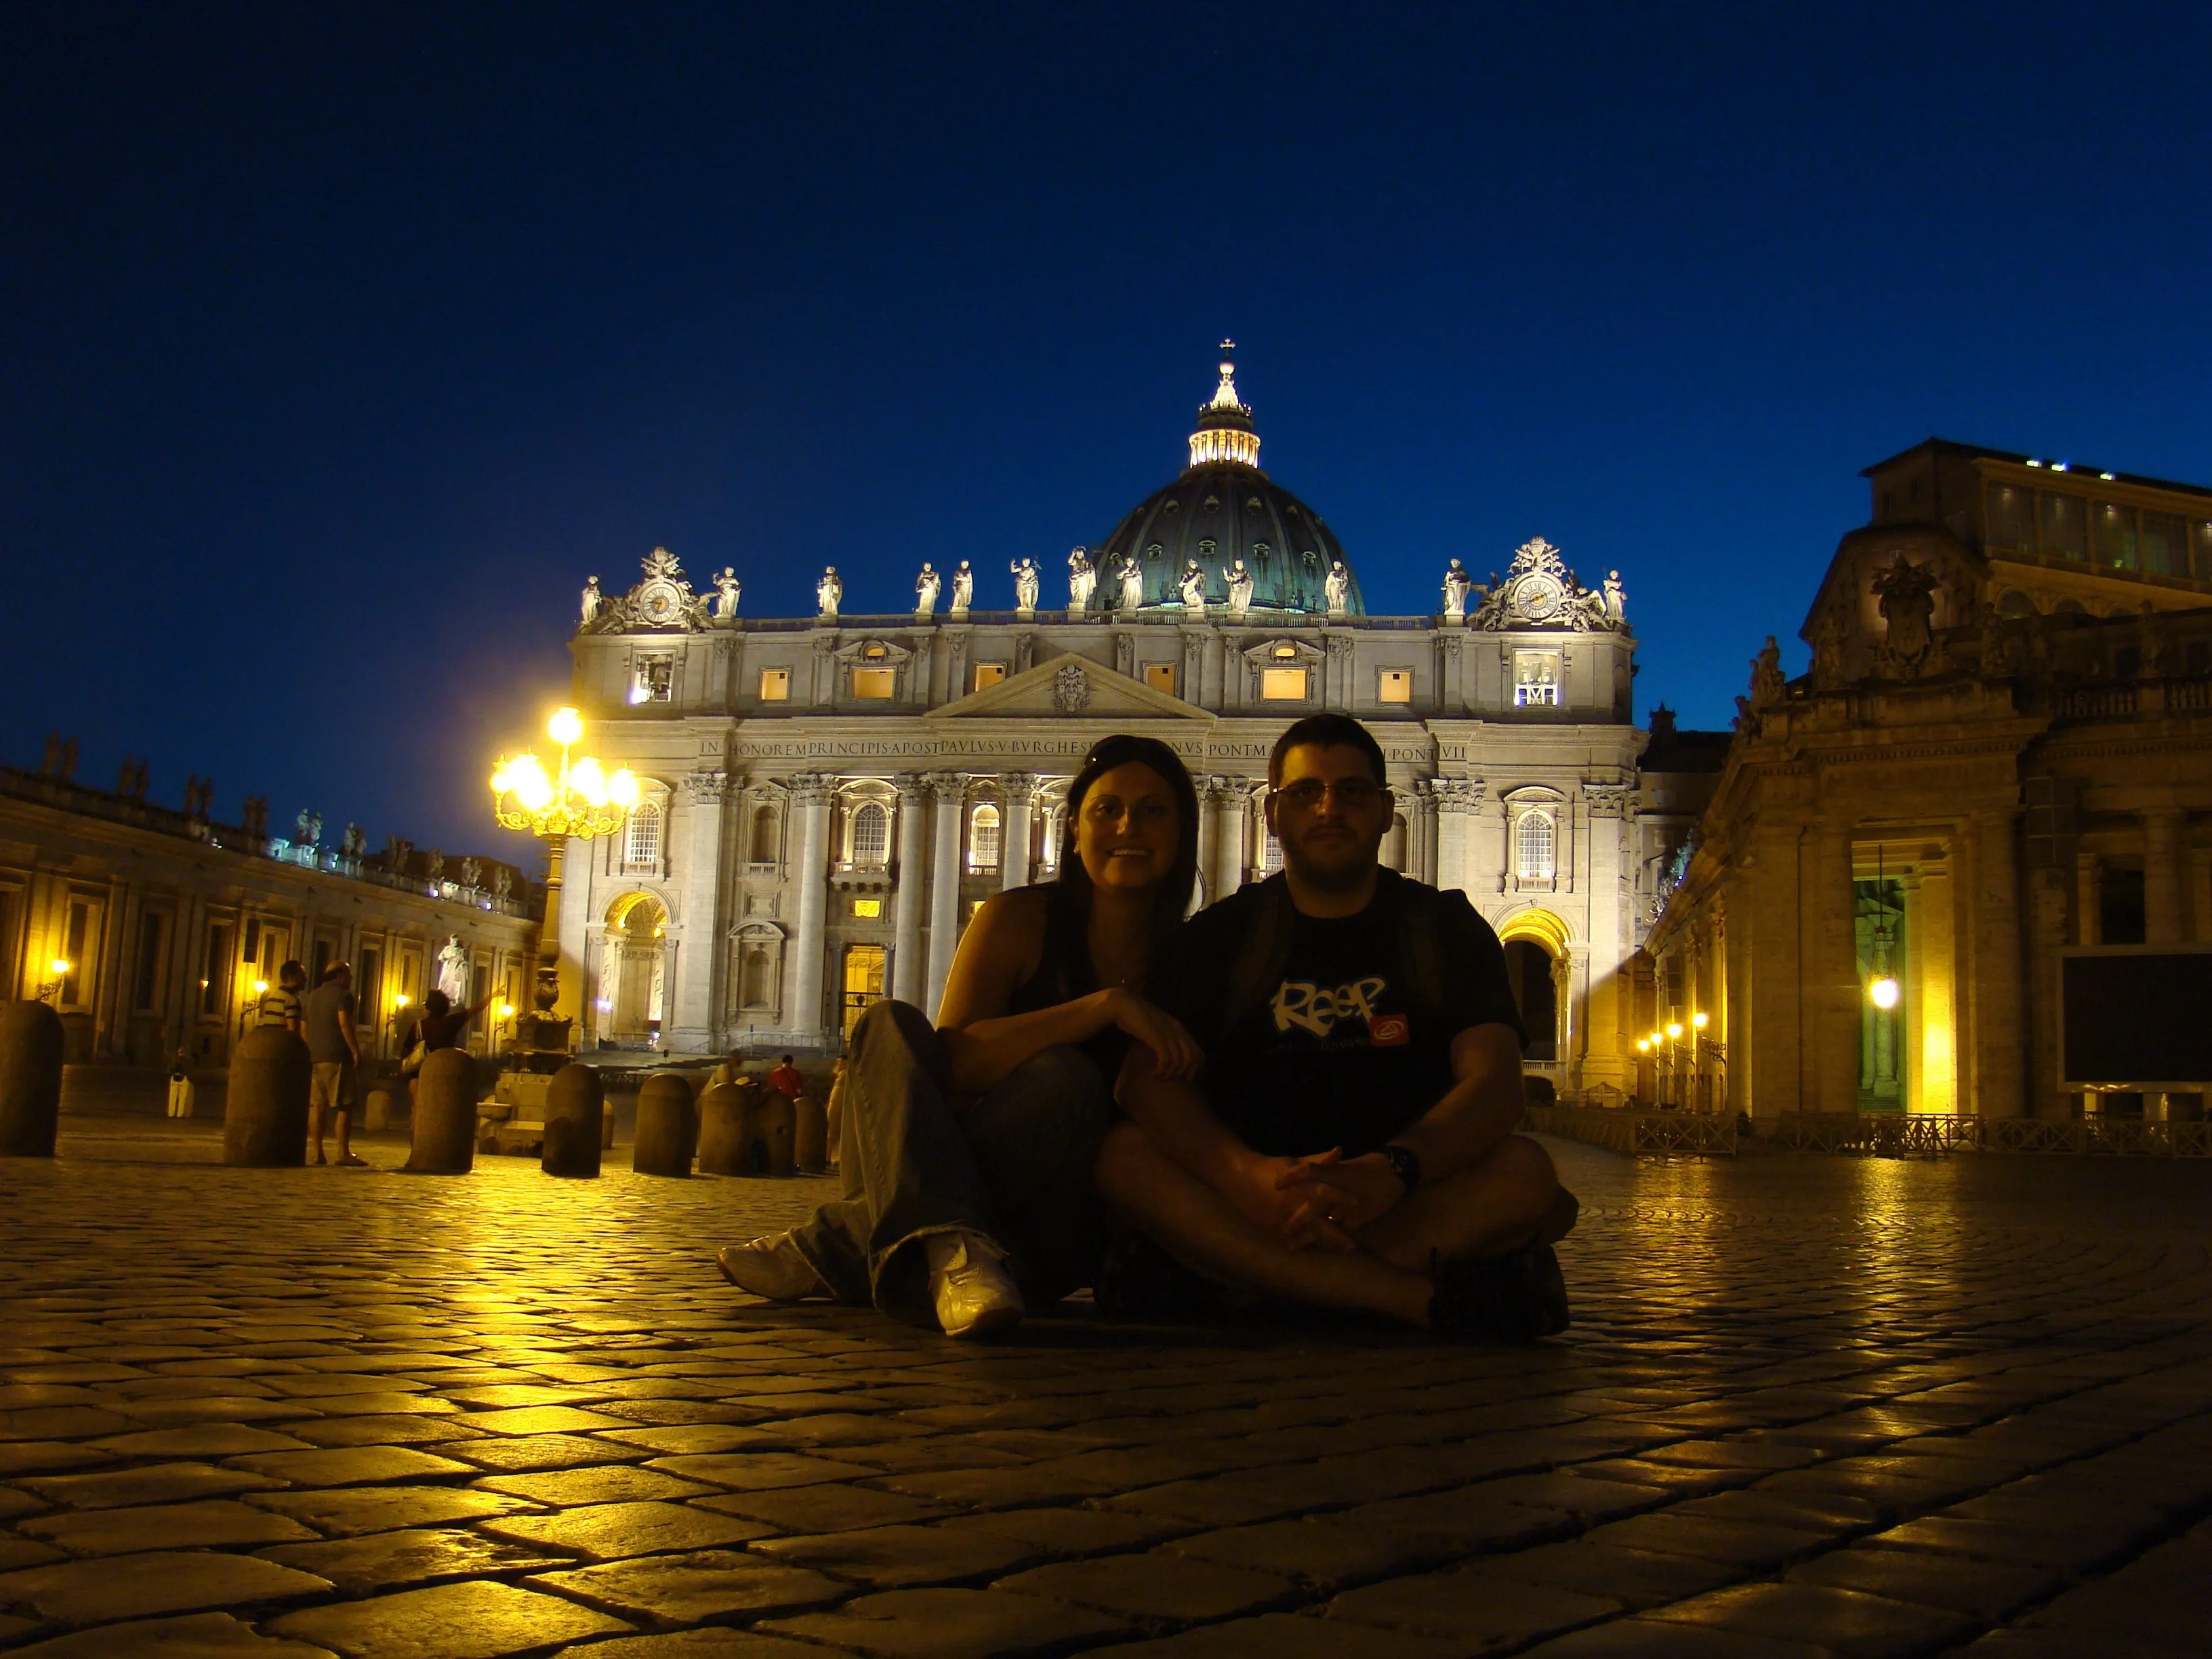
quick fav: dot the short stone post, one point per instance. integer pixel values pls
(31, 1042)
(576, 1109)
(809, 1142)
(769, 1134)
(667, 1127)
(722, 1129)
(265, 1113)
(381, 1107)
(442, 1138)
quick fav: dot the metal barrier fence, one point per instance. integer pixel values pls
(1880, 1134)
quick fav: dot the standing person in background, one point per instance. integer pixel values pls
(335, 1047)
(440, 1024)
(836, 1112)
(181, 1091)
(282, 1004)
(786, 1080)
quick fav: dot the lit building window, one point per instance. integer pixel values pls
(872, 828)
(1536, 679)
(1397, 686)
(656, 680)
(642, 847)
(868, 908)
(1283, 684)
(775, 685)
(876, 683)
(1161, 676)
(1271, 853)
(1533, 843)
(988, 673)
(983, 839)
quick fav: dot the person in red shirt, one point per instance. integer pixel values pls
(786, 1080)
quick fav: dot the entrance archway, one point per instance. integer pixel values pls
(1535, 950)
(636, 965)
(864, 982)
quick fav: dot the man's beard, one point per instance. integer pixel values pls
(1359, 862)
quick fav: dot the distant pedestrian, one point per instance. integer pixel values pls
(836, 1110)
(181, 1091)
(335, 1047)
(282, 1004)
(786, 1081)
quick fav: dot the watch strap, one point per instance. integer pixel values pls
(1405, 1163)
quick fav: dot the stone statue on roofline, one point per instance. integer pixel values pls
(453, 970)
(1082, 581)
(1025, 585)
(963, 589)
(828, 593)
(1457, 585)
(1239, 581)
(1336, 588)
(1192, 586)
(1767, 682)
(727, 590)
(1132, 574)
(593, 598)
(927, 586)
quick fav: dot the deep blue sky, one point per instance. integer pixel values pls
(337, 344)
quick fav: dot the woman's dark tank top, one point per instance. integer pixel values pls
(1064, 972)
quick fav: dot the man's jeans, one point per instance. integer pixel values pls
(1012, 1163)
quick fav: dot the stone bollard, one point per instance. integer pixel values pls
(31, 1042)
(264, 1114)
(442, 1138)
(667, 1127)
(809, 1140)
(722, 1114)
(384, 1105)
(769, 1134)
(575, 1112)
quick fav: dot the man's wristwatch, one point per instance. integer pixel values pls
(1405, 1163)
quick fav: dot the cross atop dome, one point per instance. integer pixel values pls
(1224, 423)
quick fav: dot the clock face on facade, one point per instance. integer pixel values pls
(660, 601)
(1538, 597)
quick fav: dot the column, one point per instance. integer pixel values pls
(1208, 830)
(810, 793)
(1020, 788)
(695, 1014)
(2162, 917)
(567, 896)
(1832, 992)
(907, 965)
(1426, 829)
(951, 790)
(1483, 873)
(1609, 805)
(1230, 799)
(1456, 799)
(1999, 1084)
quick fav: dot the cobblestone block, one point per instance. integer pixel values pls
(709, 1643)
(210, 1523)
(1987, 1590)
(2052, 1543)
(1281, 1636)
(207, 1440)
(1153, 1588)
(1069, 1532)
(1739, 1543)
(758, 1471)
(348, 1511)
(1643, 1638)
(821, 1509)
(609, 1483)
(412, 1555)
(195, 1636)
(900, 1557)
(117, 1586)
(1847, 1622)
(684, 1589)
(955, 1623)
(1836, 1514)
(1635, 1579)
(1318, 1553)
(537, 1451)
(473, 1620)
(350, 1466)
(2165, 1596)
(610, 1532)
(159, 1483)
(1472, 1608)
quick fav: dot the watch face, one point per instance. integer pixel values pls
(1539, 597)
(659, 601)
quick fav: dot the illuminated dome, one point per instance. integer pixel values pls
(1224, 508)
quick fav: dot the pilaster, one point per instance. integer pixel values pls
(950, 789)
(907, 965)
(809, 795)
(1020, 790)
(696, 1007)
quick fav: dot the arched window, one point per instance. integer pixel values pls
(983, 838)
(763, 847)
(641, 846)
(871, 836)
(1532, 847)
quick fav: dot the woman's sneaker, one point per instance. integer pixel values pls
(1514, 1297)
(975, 1294)
(773, 1266)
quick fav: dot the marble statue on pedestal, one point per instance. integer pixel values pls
(1337, 587)
(1133, 582)
(593, 598)
(829, 592)
(927, 586)
(963, 589)
(1082, 581)
(1025, 585)
(1192, 586)
(727, 589)
(1457, 585)
(453, 970)
(1239, 581)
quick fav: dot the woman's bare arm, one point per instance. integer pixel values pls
(1000, 949)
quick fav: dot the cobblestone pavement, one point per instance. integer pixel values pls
(1808, 1407)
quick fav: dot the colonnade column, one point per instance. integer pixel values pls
(907, 965)
(1999, 1085)
(1020, 789)
(951, 791)
(1230, 798)
(810, 793)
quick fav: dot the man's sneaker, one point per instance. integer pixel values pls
(1514, 1297)
(975, 1294)
(773, 1266)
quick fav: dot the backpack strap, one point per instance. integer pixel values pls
(1419, 906)
(1266, 950)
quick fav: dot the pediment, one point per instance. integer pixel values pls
(1070, 687)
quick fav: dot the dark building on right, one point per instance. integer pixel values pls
(1964, 865)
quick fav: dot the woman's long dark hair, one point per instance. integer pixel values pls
(1172, 898)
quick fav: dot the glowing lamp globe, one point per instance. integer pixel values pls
(567, 726)
(1883, 993)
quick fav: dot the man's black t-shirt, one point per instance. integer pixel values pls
(1337, 1053)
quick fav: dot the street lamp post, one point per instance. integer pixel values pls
(578, 799)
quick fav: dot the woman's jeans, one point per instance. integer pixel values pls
(1012, 1163)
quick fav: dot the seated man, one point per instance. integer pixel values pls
(1349, 1143)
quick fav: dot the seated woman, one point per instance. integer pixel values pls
(967, 1149)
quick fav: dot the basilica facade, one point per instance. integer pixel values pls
(828, 799)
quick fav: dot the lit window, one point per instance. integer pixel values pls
(1160, 676)
(656, 680)
(775, 685)
(1397, 686)
(1532, 847)
(869, 908)
(1285, 653)
(872, 828)
(1536, 679)
(988, 673)
(874, 682)
(983, 839)
(1283, 684)
(642, 846)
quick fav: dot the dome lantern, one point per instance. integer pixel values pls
(1224, 424)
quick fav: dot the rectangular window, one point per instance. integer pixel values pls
(870, 908)
(1283, 684)
(2010, 518)
(2116, 536)
(656, 680)
(215, 971)
(153, 934)
(1397, 686)
(1535, 679)
(874, 683)
(2065, 534)
(1161, 676)
(2165, 544)
(775, 685)
(987, 673)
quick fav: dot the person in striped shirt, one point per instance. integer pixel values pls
(280, 1005)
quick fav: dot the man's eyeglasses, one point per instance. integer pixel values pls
(1351, 794)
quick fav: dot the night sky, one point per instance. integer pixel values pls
(339, 344)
